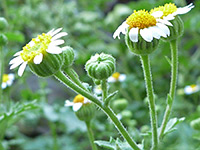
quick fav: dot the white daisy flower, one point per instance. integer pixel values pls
(97, 89)
(143, 23)
(170, 10)
(7, 80)
(36, 49)
(77, 103)
(117, 77)
(190, 89)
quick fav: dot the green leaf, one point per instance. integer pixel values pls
(15, 36)
(169, 100)
(112, 95)
(168, 60)
(171, 125)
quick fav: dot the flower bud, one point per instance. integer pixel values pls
(68, 57)
(50, 64)
(141, 47)
(126, 114)
(3, 40)
(120, 104)
(145, 128)
(195, 124)
(176, 30)
(100, 66)
(3, 24)
(86, 112)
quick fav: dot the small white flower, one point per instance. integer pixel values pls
(170, 10)
(7, 80)
(117, 77)
(143, 23)
(77, 103)
(190, 89)
(35, 50)
(97, 89)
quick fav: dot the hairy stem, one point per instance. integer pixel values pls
(149, 89)
(1, 72)
(66, 81)
(174, 72)
(104, 89)
(91, 136)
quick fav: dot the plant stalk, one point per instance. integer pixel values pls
(174, 72)
(91, 136)
(150, 94)
(1, 71)
(104, 88)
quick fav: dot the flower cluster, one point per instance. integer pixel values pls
(7, 80)
(150, 24)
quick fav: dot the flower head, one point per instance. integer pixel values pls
(7, 80)
(143, 23)
(37, 48)
(190, 89)
(170, 10)
(97, 89)
(117, 77)
(78, 102)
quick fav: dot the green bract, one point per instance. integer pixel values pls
(3, 40)
(3, 24)
(50, 64)
(141, 47)
(68, 57)
(100, 66)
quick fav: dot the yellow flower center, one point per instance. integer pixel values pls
(166, 9)
(40, 44)
(5, 78)
(141, 19)
(116, 75)
(193, 86)
(78, 99)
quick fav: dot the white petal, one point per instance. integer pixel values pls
(146, 34)
(133, 34)
(122, 77)
(50, 31)
(111, 79)
(164, 22)
(16, 64)
(68, 103)
(121, 29)
(169, 17)
(31, 43)
(156, 32)
(86, 100)
(184, 10)
(56, 31)
(3, 85)
(54, 50)
(57, 42)
(15, 60)
(9, 82)
(38, 59)
(157, 14)
(59, 35)
(11, 76)
(164, 28)
(77, 106)
(18, 53)
(22, 68)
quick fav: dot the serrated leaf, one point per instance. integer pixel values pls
(171, 125)
(110, 145)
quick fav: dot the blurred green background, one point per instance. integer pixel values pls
(90, 25)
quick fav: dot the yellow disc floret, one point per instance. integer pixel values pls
(140, 19)
(116, 75)
(78, 99)
(36, 46)
(5, 78)
(194, 87)
(166, 9)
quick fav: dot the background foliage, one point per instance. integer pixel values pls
(90, 25)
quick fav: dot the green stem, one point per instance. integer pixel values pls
(1, 72)
(104, 89)
(65, 80)
(54, 135)
(149, 88)
(174, 72)
(72, 74)
(91, 136)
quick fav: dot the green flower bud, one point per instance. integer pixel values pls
(3, 24)
(176, 30)
(141, 47)
(86, 112)
(100, 66)
(3, 40)
(50, 64)
(68, 57)
(195, 124)
(126, 114)
(145, 129)
(120, 104)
